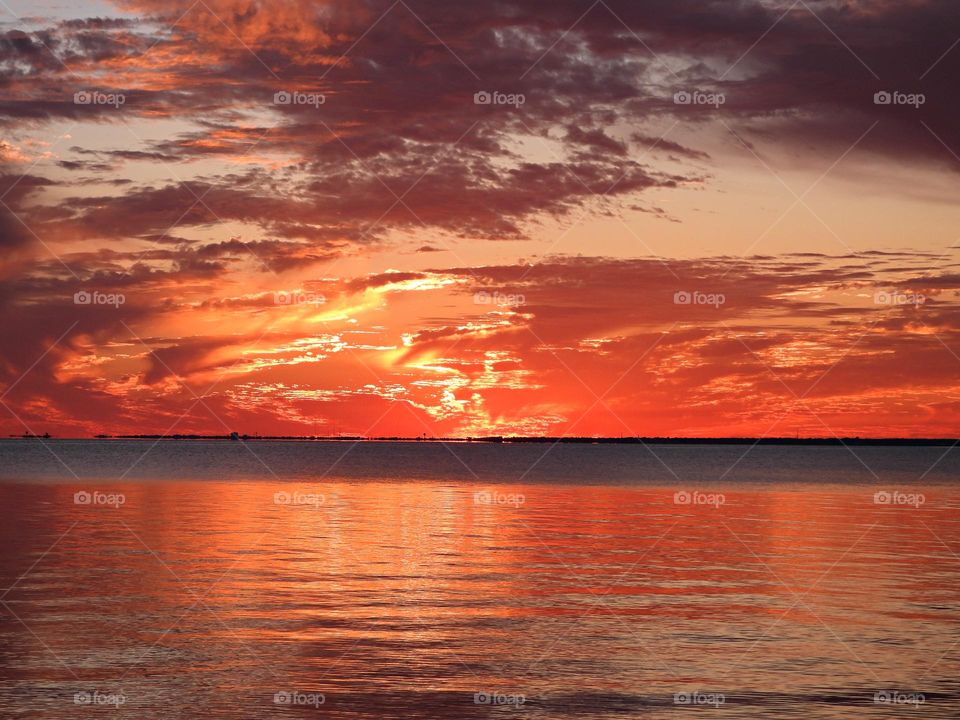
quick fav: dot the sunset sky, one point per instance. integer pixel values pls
(621, 217)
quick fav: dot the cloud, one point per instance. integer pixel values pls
(570, 331)
(201, 194)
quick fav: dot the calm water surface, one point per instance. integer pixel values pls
(262, 580)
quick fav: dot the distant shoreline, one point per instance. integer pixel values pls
(848, 441)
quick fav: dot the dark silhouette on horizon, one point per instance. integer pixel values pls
(629, 440)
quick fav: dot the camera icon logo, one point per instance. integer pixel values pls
(82, 297)
(882, 98)
(82, 498)
(682, 297)
(282, 498)
(882, 497)
(282, 98)
(681, 498)
(482, 98)
(82, 97)
(682, 97)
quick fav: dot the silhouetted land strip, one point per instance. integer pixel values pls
(855, 441)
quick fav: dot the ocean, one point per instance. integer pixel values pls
(263, 579)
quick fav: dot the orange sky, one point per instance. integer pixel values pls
(301, 218)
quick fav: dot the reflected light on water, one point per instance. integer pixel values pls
(414, 599)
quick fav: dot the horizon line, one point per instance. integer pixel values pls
(496, 439)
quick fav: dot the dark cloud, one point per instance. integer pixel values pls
(15, 230)
(399, 127)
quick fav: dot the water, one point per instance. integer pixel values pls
(411, 580)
